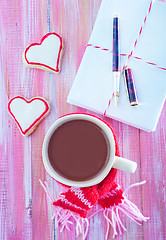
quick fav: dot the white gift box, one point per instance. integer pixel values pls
(93, 85)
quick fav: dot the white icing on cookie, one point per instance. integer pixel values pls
(46, 54)
(26, 113)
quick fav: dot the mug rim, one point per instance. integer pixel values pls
(76, 116)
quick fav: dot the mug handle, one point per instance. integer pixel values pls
(124, 164)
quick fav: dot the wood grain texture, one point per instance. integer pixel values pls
(25, 211)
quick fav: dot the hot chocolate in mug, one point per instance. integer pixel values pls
(79, 150)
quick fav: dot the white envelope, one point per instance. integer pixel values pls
(93, 85)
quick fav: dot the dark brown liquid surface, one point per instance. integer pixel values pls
(78, 150)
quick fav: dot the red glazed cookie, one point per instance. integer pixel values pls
(45, 55)
(28, 113)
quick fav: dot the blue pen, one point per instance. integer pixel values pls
(116, 58)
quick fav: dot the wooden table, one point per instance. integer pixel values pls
(25, 210)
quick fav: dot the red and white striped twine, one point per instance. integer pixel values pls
(134, 46)
(124, 55)
(140, 32)
(136, 41)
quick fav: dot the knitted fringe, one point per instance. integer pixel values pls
(128, 208)
(64, 217)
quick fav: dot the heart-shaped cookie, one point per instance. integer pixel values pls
(28, 113)
(45, 55)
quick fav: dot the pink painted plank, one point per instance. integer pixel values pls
(153, 157)
(15, 199)
(25, 211)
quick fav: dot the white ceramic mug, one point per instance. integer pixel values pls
(113, 161)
